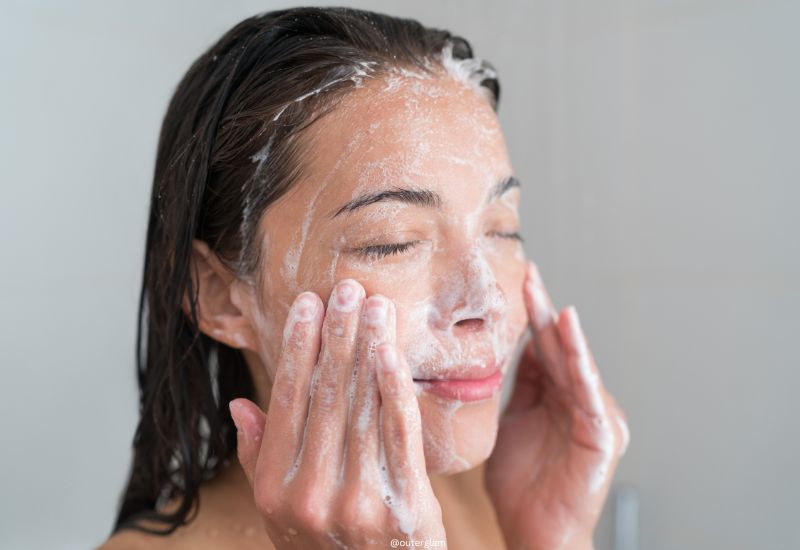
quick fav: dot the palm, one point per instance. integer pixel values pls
(558, 440)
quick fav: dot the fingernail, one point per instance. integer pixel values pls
(236, 411)
(574, 313)
(345, 296)
(305, 307)
(246, 422)
(579, 341)
(376, 311)
(577, 331)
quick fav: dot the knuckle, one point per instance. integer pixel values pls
(398, 435)
(283, 393)
(338, 337)
(308, 509)
(389, 386)
(297, 337)
(359, 514)
(267, 501)
(325, 398)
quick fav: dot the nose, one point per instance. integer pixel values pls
(469, 299)
(472, 324)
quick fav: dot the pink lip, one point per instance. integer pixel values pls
(464, 389)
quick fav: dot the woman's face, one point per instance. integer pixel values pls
(456, 276)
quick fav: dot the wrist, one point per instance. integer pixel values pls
(578, 542)
(582, 542)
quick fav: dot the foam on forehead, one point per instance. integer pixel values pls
(471, 71)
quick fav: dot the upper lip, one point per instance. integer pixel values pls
(474, 370)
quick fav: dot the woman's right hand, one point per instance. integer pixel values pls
(338, 460)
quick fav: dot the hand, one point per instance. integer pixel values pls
(338, 461)
(559, 439)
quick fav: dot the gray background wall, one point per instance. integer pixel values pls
(657, 142)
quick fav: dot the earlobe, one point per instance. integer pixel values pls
(218, 314)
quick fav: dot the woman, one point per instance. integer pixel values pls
(334, 290)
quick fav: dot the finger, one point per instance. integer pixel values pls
(288, 406)
(592, 427)
(584, 377)
(249, 421)
(321, 457)
(543, 319)
(401, 425)
(362, 444)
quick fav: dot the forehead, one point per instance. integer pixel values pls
(405, 128)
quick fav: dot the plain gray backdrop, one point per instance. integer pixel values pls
(657, 142)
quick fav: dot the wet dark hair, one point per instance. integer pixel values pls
(229, 147)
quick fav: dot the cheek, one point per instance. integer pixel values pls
(510, 273)
(269, 325)
(270, 321)
(456, 435)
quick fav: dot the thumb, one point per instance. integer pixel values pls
(249, 421)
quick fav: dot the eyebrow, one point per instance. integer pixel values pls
(418, 197)
(502, 186)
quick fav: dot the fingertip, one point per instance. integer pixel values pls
(305, 309)
(572, 336)
(247, 417)
(573, 313)
(350, 281)
(530, 279)
(306, 305)
(569, 323)
(235, 407)
(348, 294)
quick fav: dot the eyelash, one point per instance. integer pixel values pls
(383, 250)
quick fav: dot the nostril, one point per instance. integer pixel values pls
(470, 324)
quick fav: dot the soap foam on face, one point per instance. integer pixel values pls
(469, 291)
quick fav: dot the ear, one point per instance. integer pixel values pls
(219, 314)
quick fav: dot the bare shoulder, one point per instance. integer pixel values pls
(129, 539)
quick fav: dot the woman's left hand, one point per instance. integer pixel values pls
(560, 438)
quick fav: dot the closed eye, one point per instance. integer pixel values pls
(376, 251)
(507, 235)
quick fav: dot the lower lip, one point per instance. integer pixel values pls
(473, 389)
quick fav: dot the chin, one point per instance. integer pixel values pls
(457, 435)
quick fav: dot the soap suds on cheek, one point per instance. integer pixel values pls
(267, 329)
(469, 291)
(293, 256)
(472, 291)
(440, 439)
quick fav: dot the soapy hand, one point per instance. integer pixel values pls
(560, 438)
(338, 461)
